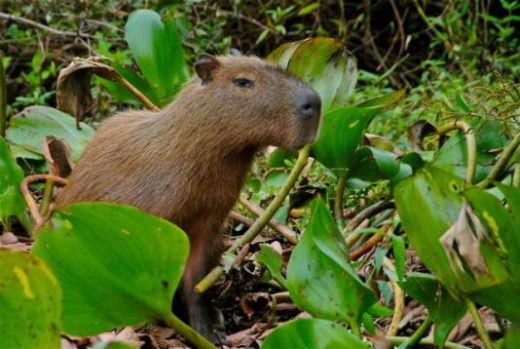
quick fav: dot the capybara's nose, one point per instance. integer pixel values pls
(309, 103)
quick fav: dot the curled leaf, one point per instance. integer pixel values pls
(461, 242)
(418, 131)
(57, 155)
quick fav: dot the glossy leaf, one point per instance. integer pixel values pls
(325, 64)
(341, 133)
(371, 164)
(11, 175)
(320, 258)
(29, 128)
(117, 265)
(312, 333)
(30, 303)
(156, 47)
(445, 310)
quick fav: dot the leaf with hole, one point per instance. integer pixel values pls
(117, 265)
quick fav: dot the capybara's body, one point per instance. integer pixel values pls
(187, 162)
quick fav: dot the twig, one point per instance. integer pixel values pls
(245, 18)
(479, 326)
(31, 203)
(44, 27)
(369, 244)
(470, 142)
(398, 301)
(253, 231)
(506, 155)
(284, 230)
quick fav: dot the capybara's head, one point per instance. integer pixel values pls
(258, 102)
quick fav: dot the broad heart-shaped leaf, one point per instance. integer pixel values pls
(117, 265)
(341, 133)
(30, 303)
(319, 278)
(325, 64)
(429, 203)
(371, 164)
(312, 333)
(11, 175)
(156, 47)
(29, 128)
(445, 310)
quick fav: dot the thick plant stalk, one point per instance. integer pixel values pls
(188, 333)
(419, 334)
(479, 326)
(261, 222)
(471, 145)
(398, 301)
(338, 202)
(502, 162)
(3, 99)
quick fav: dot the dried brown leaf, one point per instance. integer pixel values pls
(461, 242)
(57, 155)
(418, 131)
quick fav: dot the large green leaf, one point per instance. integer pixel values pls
(312, 333)
(117, 265)
(156, 47)
(29, 128)
(325, 64)
(445, 310)
(11, 175)
(30, 303)
(429, 203)
(319, 259)
(371, 164)
(341, 133)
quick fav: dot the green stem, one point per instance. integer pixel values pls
(261, 222)
(338, 201)
(502, 162)
(470, 142)
(3, 99)
(516, 176)
(187, 332)
(428, 342)
(479, 326)
(47, 197)
(418, 335)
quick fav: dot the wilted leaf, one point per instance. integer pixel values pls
(57, 155)
(117, 265)
(11, 175)
(418, 131)
(31, 126)
(462, 242)
(320, 258)
(325, 64)
(312, 333)
(30, 303)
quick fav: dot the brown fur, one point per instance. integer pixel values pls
(187, 162)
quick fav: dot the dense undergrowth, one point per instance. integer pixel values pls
(406, 213)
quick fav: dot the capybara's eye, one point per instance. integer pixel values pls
(245, 83)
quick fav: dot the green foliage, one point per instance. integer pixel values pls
(312, 333)
(320, 258)
(28, 129)
(11, 200)
(30, 302)
(125, 257)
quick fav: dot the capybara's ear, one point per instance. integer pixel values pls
(205, 66)
(235, 52)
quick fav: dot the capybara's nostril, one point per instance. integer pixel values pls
(309, 103)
